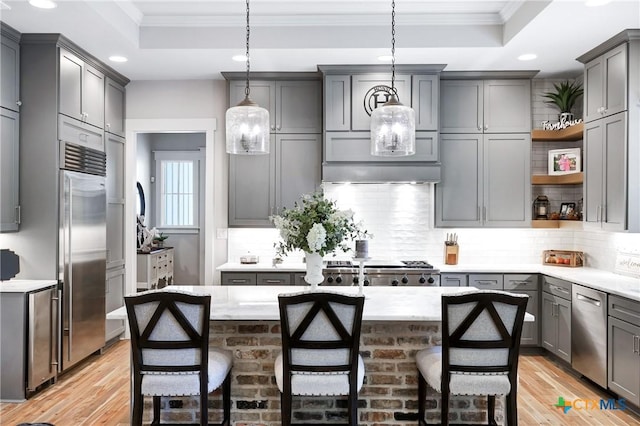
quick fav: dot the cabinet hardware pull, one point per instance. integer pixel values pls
(272, 281)
(635, 351)
(238, 281)
(486, 127)
(558, 288)
(19, 103)
(18, 214)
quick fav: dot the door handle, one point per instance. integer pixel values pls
(636, 350)
(588, 299)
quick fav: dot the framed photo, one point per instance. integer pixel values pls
(564, 161)
(566, 209)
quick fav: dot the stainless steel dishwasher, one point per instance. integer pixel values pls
(589, 333)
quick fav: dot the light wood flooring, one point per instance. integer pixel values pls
(97, 393)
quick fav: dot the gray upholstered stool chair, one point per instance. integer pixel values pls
(171, 354)
(479, 353)
(320, 349)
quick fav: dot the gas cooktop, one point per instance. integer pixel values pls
(381, 264)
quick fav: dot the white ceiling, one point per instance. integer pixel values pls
(167, 40)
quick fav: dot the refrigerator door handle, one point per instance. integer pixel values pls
(56, 300)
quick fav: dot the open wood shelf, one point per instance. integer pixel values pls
(571, 133)
(573, 224)
(568, 179)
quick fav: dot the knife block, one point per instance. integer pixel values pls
(451, 254)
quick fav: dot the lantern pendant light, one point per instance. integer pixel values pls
(247, 123)
(393, 125)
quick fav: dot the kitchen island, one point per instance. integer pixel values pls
(397, 322)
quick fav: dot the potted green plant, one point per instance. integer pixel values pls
(159, 239)
(564, 98)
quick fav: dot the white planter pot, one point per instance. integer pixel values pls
(314, 269)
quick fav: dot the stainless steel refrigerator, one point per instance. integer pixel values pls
(82, 253)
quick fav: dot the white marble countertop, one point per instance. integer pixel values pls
(595, 278)
(253, 303)
(25, 286)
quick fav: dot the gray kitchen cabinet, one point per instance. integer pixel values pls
(556, 317)
(9, 164)
(261, 185)
(623, 351)
(273, 278)
(527, 284)
(82, 88)
(10, 68)
(425, 95)
(345, 147)
(605, 182)
(486, 181)
(337, 99)
(453, 280)
(366, 96)
(298, 160)
(115, 146)
(485, 106)
(486, 281)
(605, 91)
(114, 299)
(114, 107)
(238, 278)
(295, 106)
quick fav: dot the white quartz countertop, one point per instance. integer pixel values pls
(597, 279)
(253, 303)
(25, 286)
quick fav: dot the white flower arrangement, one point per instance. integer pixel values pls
(316, 226)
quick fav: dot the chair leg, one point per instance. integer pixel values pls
(285, 409)
(511, 415)
(156, 410)
(204, 409)
(491, 409)
(226, 400)
(422, 399)
(352, 406)
(444, 410)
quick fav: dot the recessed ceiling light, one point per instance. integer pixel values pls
(239, 58)
(595, 3)
(43, 4)
(527, 57)
(117, 58)
(385, 58)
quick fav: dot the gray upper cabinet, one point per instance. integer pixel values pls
(605, 178)
(425, 94)
(114, 146)
(10, 72)
(367, 96)
(605, 78)
(114, 107)
(337, 98)
(355, 147)
(485, 106)
(82, 89)
(298, 159)
(294, 106)
(9, 164)
(485, 181)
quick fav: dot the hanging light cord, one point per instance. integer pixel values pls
(246, 89)
(393, 46)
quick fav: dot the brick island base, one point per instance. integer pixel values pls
(389, 396)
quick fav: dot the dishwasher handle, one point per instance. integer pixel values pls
(587, 299)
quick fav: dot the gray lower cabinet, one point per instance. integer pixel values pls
(259, 278)
(624, 348)
(605, 183)
(527, 284)
(238, 278)
(114, 299)
(259, 186)
(556, 317)
(486, 281)
(605, 89)
(273, 278)
(9, 164)
(486, 181)
(453, 280)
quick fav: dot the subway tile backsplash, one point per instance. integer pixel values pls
(400, 216)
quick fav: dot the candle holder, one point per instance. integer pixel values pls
(541, 207)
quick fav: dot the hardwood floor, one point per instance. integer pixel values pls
(97, 393)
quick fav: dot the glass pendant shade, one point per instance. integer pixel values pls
(247, 129)
(393, 130)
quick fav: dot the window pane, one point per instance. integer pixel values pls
(177, 196)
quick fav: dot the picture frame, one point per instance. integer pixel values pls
(564, 161)
(566, 209)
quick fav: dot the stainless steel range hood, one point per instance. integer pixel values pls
(381, 172)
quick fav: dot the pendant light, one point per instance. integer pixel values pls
(393, 125)
(247, 123)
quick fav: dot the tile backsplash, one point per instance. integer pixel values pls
(400, 216)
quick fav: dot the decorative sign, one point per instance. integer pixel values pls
(628, 264)
(563, 124)
(376, 96)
